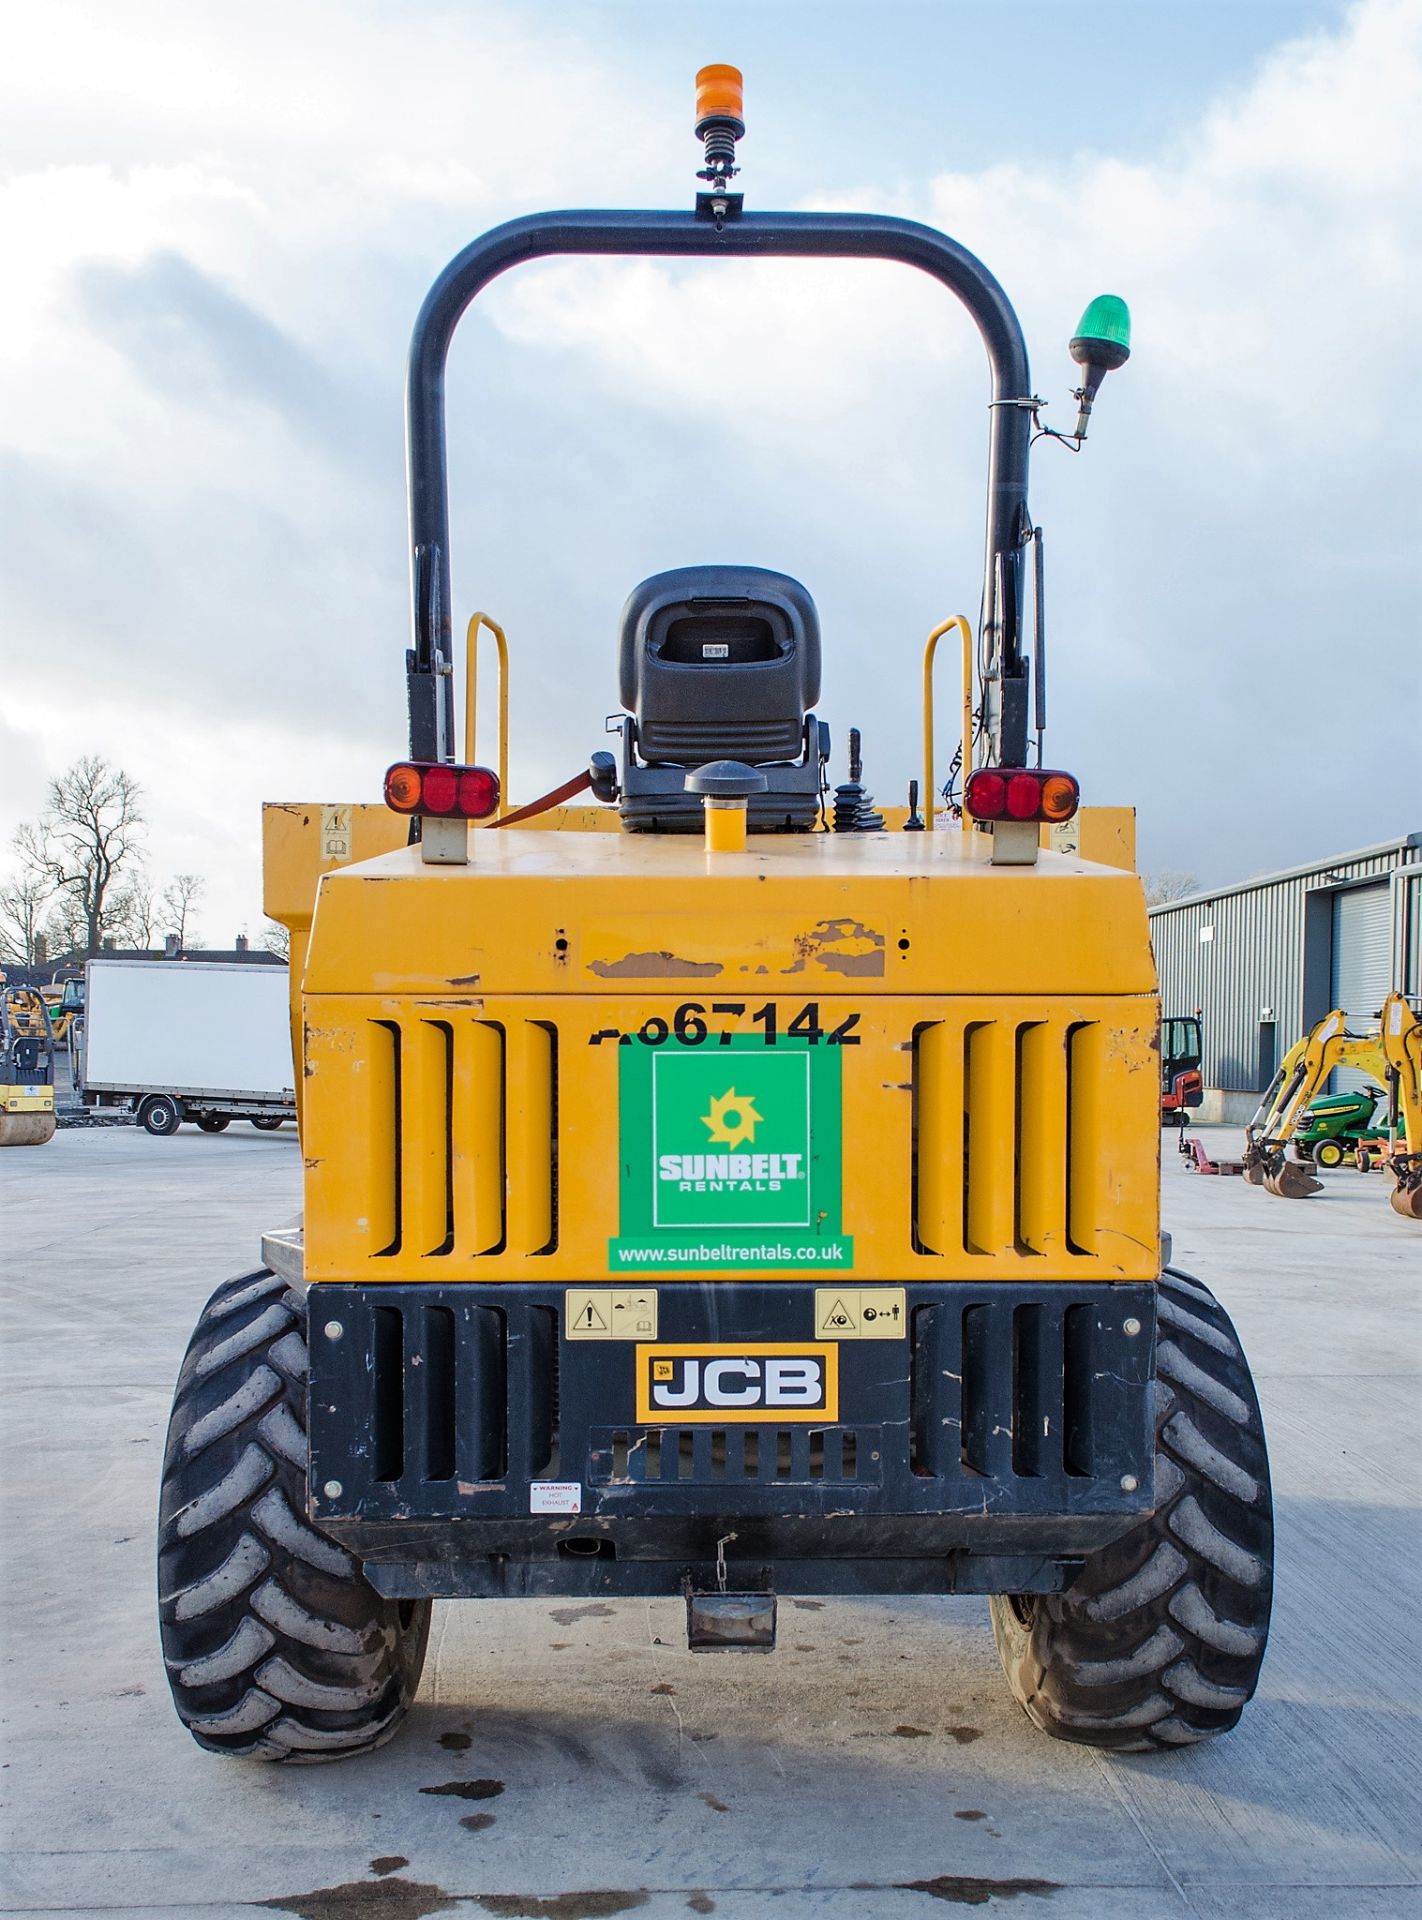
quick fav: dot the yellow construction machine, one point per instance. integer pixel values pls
(743, 1198)
(1301, 1075)
(66, 1005)
(1392, 1057)
(1400, 1031)
(26, 1068)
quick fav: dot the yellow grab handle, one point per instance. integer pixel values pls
(471, 700)
(930, 793)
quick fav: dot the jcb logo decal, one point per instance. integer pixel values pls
(720, 1385)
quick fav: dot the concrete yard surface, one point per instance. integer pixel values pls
(572, 1760)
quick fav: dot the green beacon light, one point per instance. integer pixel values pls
(1101, 343)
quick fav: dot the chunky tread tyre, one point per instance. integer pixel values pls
(1159, 1641)
(277, 1646)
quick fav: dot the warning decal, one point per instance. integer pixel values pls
(610, 1313)
(555, 1496)
(860, 1313)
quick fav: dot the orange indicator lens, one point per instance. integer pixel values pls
(1060, 797)
(402, 788)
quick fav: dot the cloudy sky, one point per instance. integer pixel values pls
(220, 222)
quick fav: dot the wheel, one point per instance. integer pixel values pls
(214, 1122)
(1329, 1153)
(1159, 1641)
(276, 1644)
(160, 1114)
(268, 1122)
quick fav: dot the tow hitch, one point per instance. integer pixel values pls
(744, 1620)
(716, 1618)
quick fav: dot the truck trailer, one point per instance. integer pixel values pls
(178, 1040)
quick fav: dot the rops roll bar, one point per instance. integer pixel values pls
(760, 236)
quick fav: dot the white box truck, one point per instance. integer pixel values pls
(179, 1040)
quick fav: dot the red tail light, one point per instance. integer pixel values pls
(450, 793)
(986, 795)
(1024, 797)
(439, 790)
(1021, 793)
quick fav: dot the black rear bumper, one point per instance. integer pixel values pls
(461, 1443)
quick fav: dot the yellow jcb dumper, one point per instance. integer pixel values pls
(745, 1200)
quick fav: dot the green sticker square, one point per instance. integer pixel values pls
(729, 1155)
(730, 1139)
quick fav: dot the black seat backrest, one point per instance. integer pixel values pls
(719, 663)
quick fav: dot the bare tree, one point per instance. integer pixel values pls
(179, 899)
(277, 939)
(89, 833)
(64, 930)
(135, 912)
(22, 909)
(1168, 884)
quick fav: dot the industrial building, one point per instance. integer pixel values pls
(1262, 962)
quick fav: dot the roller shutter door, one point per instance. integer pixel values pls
(1362, 962)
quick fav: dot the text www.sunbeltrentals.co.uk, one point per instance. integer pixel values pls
(824, 1253)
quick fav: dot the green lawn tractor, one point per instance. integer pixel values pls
(1336, 1124)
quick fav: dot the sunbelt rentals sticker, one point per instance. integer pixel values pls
(730, 1157)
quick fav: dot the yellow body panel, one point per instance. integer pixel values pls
(296, 851)
(876, 913)
(462, 1037)
(430, 1136)
(1106, 835)
(304, 839)
(26, 1099)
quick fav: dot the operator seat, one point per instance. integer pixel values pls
(720, 663)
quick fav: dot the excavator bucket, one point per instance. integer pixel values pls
(1256, 1163)
(1292, 1181)
(26, 1129)
(1406, 1196)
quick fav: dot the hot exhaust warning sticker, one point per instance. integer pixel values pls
(730, 1158)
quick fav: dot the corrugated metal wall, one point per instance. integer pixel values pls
(1407, 926)
(1260, 955)
(1362, 964)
